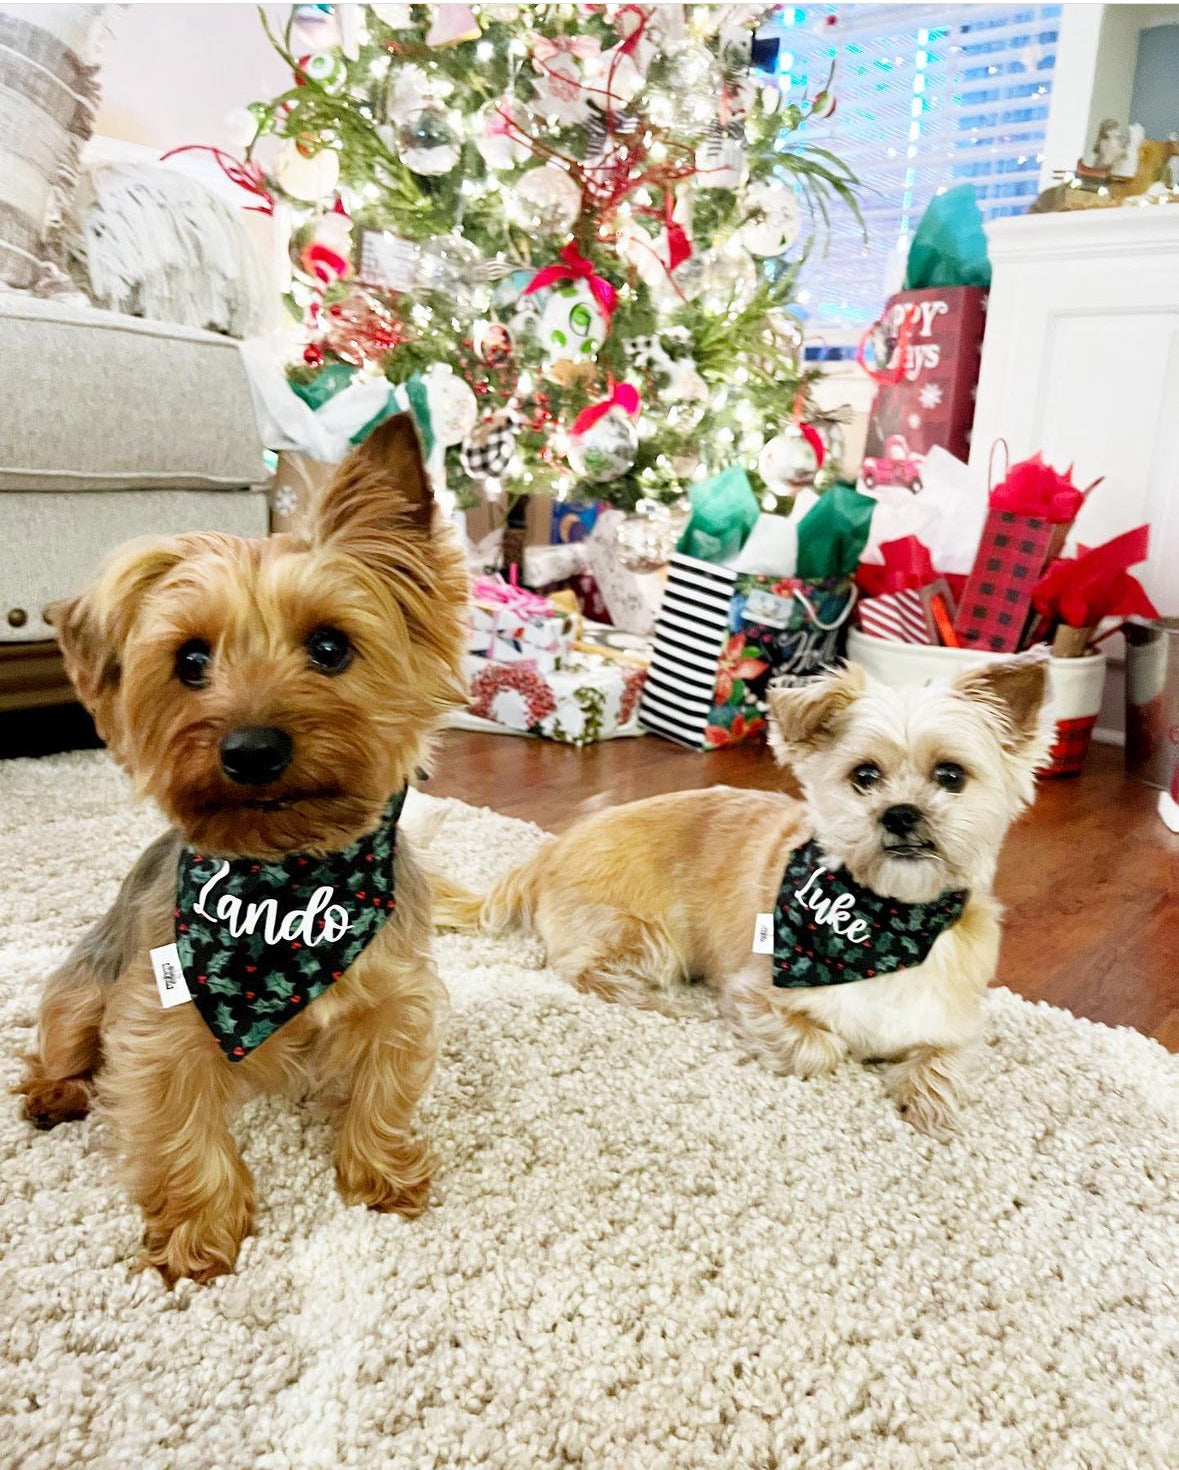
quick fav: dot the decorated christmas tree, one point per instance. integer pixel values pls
(569, 233)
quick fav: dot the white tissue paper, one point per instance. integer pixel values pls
(771, 549)
(947, 513)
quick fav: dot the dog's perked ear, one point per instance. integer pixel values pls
(92, 628)
(379, 493)
(1015, 690)
(805, 718)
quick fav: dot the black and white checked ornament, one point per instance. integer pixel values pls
(646, 351)
(487, 451)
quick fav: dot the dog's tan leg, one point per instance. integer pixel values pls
(168, 1091)
(784, 1039)
(926, 1086)
(57, 1080)
(614, 957)
(384, 1057)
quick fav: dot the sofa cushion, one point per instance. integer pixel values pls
(96, 401)
(52, 543)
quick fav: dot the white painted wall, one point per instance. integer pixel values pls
(171, 73)
(1094, 76)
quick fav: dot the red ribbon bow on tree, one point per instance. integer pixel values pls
(622, 395)
(1033, 488)
(576, 268)
(1081, 590)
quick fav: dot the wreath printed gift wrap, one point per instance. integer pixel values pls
(586, 700)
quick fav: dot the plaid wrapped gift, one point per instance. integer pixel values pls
(998, 595)
(1028, 517)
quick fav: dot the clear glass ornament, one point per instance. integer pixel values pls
(645, 540)
(450, 267)
(428, 141)
(545, 201)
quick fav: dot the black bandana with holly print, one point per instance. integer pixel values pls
(258, 941)
(828, 930)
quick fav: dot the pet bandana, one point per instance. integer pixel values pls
(257, 941)
(827, 930)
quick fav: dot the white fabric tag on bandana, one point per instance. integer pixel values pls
(170, 981)
(763, 934)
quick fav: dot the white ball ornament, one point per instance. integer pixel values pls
(779, 224)
(240, 127)
(326, 69)
(498, 146)
(454, 410)
(572, 325)
(606, 449)
(307, 177)
(787, 460)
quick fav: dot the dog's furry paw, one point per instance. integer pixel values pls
(932, 1116)
(48, 1103)
(404, 1190)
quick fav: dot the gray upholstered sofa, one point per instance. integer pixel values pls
(110, 427)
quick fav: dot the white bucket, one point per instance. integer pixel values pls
(1077, 685)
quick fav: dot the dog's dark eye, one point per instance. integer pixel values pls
(192, 663)
(949, 775)
(329, 650)
(864, 777)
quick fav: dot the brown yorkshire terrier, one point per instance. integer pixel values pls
(274, 697)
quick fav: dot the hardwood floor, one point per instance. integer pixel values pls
(1090, 876)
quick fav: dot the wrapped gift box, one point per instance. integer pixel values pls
(897, 615)
(586, 700)
(998, 595)
(511, 625)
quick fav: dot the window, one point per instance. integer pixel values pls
(927, 96)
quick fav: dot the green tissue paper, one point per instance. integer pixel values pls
(832, 535)
(950, 246)
(724, 510)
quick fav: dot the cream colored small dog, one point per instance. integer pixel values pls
(908, 796)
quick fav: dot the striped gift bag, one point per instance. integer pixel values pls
(721, 637)
(901, 616)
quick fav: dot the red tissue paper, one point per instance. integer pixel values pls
(1033, 488)
(1081, 590)
(907, 564)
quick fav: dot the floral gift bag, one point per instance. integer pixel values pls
(720, 638)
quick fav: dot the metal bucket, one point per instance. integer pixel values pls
(1152, 700)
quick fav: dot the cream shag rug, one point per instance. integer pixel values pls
(645, 1252)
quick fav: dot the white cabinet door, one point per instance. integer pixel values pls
(1081, 360)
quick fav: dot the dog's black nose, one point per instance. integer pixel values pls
(256, 755)
(901, 820)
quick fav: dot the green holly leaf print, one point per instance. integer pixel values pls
(224, 1019)
(219, 984)
(257, 1034)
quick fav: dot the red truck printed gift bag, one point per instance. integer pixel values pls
(926, 350)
